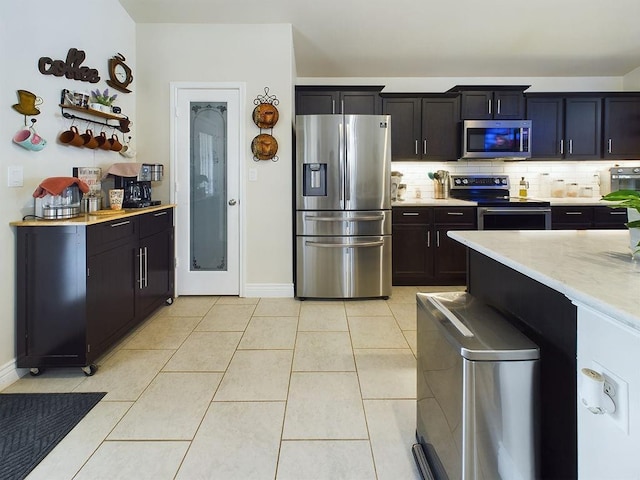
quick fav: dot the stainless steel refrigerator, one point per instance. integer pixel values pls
(343, 206)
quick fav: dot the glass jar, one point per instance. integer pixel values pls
(586, 192)
(545, 185)
(572, 190)
(557, 188)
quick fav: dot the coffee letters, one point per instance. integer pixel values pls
(70, 68)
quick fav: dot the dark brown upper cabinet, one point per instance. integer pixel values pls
(423, 127)
(316, 100)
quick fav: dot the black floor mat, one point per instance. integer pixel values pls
(32, 424)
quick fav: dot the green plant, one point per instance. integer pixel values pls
(102, 98)
(626, 199)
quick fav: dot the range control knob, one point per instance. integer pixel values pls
(465, 181)
(636, 170)
(457, 181)
(496, 181)
(504, 181)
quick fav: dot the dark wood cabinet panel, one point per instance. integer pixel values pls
(610, 218)
(583, 128)
(440, 128)
(547, 123)
(621, 129)
(489, 104)
(406, 129)
(317, 100)
(423, 254)
(79, 287)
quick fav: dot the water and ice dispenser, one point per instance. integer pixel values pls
(314, 179)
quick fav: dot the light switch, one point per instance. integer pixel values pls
(253, 174)
(15, 176)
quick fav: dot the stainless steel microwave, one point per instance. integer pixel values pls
(497, 139)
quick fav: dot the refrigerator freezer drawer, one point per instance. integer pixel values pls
(344, 223)
(343, 267)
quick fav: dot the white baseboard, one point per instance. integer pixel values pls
(271, 290)
(9, 373)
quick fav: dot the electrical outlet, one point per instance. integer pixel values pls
(15, 176)
(618, 390)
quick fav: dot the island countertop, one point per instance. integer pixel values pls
(593, 267)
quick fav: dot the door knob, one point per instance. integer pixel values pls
(232, 202)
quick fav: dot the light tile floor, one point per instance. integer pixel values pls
(247, 388)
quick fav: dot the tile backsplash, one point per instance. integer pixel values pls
(415, 174)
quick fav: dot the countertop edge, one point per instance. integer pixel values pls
(88, 219)
(574, 294)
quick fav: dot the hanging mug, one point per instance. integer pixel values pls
(116, 146)
(71, 137)
(89, 140)
(29, 139)
(103, 142)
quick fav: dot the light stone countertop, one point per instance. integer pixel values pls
(433, 202)
(593, 267)
(88, 218)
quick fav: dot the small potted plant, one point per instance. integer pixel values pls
(101, 100)
(629, 199)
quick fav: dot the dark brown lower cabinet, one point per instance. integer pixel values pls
(423, 254)
(82, 287)
(582, 217)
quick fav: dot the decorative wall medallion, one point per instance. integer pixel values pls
(264, 147)
(69, 68)
(120, 74)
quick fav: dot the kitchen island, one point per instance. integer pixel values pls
(575, 293)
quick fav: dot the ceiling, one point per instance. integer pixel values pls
(433, 38)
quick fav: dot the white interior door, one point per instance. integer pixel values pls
(206, 182)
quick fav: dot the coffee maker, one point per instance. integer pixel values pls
(137, 190)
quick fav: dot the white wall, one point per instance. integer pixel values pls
(442, 84)
(631, 80)
(28, 31)
(259, 56)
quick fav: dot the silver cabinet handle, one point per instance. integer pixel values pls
(410, 214)
(416, 149)
(160, 214)
(120, 224)
(342, 106)
(455, 213)
(562, 147)
(333, 106)
(428, 238)
(570, 147)
(573, 213)
(424, 146)
(498, 112)
(437, 238)
(232, 202)
(489, 103)
(609, 145)
(146, 267)
(140, 275)
(617, 213)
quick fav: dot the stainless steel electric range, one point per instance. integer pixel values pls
(497, 210)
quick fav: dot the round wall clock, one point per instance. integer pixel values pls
(120, 73)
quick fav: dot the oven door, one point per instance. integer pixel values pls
(514, 218)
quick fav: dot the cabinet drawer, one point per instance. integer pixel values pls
(412, 215)
(102, 234)
(610, 216)
(455, 215)
(155, 222)
(571, 215)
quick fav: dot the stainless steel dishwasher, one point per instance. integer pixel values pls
(477, 392)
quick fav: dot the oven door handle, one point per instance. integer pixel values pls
(515, 210)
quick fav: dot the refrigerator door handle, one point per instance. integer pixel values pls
(377, 243)
(347, 180)
(368, 218)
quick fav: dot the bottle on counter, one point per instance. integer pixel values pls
(524, 186)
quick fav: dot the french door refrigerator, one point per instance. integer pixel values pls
(343, 206)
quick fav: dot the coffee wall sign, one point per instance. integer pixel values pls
(70, 68)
